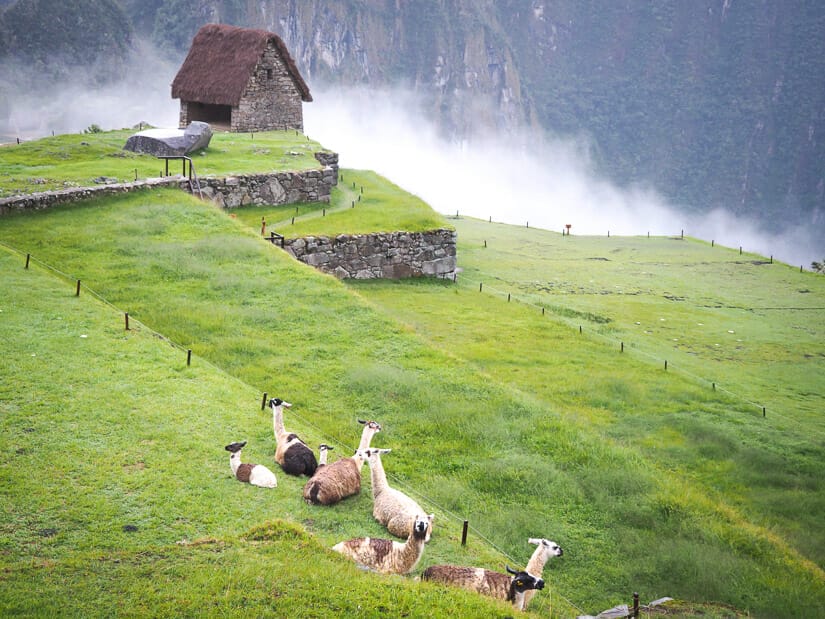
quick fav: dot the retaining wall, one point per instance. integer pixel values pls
(227, 192)
(392, 255)
(48, 199)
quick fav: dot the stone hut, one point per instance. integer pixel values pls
(240, 79)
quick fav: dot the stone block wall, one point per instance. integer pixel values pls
(271, 99)
(274, 188)
(227, 192)
(50, 199)
(392, 255)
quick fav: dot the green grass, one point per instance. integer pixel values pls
(362, 203)
(117, 492)
(768, 467)
(73, 160)
(650, 480)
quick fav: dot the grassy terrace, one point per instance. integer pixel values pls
(116, 488)
(77, 159)
(362, 203)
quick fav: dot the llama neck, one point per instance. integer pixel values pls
(518, 599)
(358, 460)
(410, 552)
(235, 461)
(378, 476)
(366, 437)
(535, 565)
(322, 457)
(278, 422)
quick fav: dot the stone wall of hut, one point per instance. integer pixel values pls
(271, 101)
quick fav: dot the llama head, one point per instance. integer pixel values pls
(279, 402)
(374, 454)
(421, 525)
(548, 548)
(235, 447)
(372, 425)
(325, 447)
(522, 581)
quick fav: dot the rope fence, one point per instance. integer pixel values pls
(666, 364)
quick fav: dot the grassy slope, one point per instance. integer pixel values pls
(609, 505)
(117, 496)
(759, 340)
(363, 203)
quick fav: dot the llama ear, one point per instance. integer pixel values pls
(510, 570)
(362, 421)
(534, 540)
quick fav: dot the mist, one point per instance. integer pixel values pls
(73, 104)
(521, 178)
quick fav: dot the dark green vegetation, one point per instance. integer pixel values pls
(54, 38)
(651, 480)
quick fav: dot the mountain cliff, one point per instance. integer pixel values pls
(714, 103)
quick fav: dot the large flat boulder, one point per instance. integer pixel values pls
(170, 142)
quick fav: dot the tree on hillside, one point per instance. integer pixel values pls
(818, 267)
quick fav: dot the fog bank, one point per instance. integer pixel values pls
(143, 94)
(520, 178)
(515, 178)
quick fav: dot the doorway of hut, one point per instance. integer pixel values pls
(219, 117)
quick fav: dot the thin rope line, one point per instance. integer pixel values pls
(639, 351)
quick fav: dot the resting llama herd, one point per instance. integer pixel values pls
(403, 517)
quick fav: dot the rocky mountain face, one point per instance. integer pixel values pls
(43, 40)
(712, 102)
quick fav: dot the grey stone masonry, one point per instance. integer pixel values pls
(392, 255)
(271, 99)
(274, 188)
(49, 199)
(227, 192)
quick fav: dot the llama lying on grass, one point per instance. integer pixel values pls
(291, 452)
(385, 555)
(391, 507)
(334, 482)
(255, 474)
(544, 550)
(493, 584)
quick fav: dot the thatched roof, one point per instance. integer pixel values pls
(220, 62)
